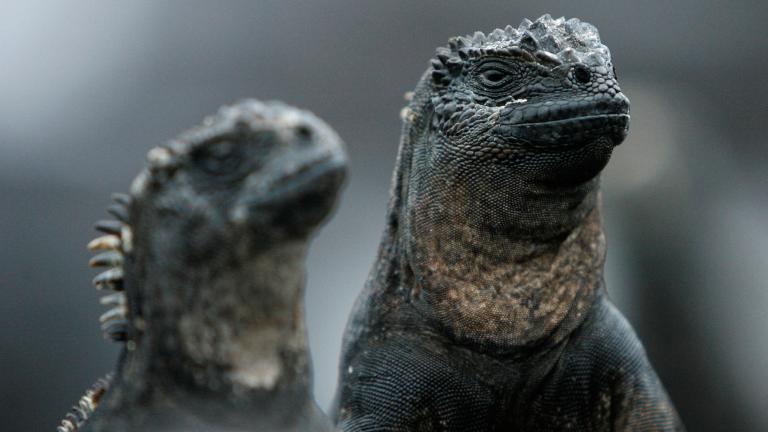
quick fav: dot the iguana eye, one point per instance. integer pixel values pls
(582, 74)
(219, 158)
(493, 75)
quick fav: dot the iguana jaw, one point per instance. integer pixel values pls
(296, 201)
(306, 178)
(557, 126)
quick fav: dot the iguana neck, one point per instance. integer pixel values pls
(236, 330)
(505, 277)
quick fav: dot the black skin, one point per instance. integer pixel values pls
(214, 277)
(485, 309)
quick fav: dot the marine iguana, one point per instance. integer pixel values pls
(207, 260)
(485, 309)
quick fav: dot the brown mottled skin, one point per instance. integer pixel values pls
(485, 309)
(212, 245)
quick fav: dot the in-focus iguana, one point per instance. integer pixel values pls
(207, 264)
(485, 309)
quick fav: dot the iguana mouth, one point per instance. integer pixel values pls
(296, 202)
(309, 176)
(314, 176)
(577, 119)
(568, 133)
(562, 126)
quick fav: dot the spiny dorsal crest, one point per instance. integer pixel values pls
(85, 407)
(116, 242)
(546, 41)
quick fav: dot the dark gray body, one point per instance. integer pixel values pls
(207, 260)
(485, 309)
(411, 378)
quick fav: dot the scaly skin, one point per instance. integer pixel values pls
(210, 251)
(485, 309)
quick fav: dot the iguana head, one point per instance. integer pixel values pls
(541, 99)
(210, 251)
(505, 128)
(254, 175)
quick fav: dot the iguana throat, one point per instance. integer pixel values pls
(233, 329)
(489, 288)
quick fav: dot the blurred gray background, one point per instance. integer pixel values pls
(86, 88)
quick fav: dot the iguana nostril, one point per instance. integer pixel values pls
(304, 132)
(582, 74)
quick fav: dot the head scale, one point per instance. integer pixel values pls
(541, 100)
(546, 41)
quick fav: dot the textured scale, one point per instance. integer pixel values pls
(485, 309)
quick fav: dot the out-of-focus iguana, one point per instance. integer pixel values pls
(207, 264)
(485, 309)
